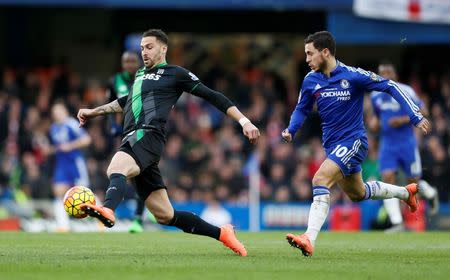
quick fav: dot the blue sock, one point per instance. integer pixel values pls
(319, 190)
(368, 193)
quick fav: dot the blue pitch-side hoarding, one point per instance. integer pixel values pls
(294, 216)
(273, 216)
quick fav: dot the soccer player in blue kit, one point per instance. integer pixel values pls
(398, 145)
(70, 166)
(338, 91)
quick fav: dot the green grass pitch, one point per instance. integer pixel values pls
(176, 255)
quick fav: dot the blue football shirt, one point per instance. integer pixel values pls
(63, 133)
(385, 107)
(339, 100)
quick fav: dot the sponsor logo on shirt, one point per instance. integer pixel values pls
(337, 93)
(193, 77)
(342, 95)
(151, 76)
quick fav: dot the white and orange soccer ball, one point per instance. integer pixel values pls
(76, 196)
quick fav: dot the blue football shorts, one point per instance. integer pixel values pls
(349, 154)
(401, 155)
(71, 172)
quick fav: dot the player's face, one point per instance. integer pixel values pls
(387, 72)
(315, 58)
(130, 63)
(59, 113)
(152, 51)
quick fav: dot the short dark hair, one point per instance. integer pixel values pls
(386, 62)
(322, 40)
(60, 101)
(159, 34)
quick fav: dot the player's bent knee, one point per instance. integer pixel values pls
(128, 171)
(356, 197)
(163, 218)
(123, 163)
(321, 179)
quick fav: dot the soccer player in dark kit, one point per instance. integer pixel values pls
(156, 89)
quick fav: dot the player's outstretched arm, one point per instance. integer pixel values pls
(372, 82)
(374, 123)
(250, 131)
(398, 121)
(425, 126)
(302, 109)
(85, 114)
(286, 135)
(221, 102)
(79, 143)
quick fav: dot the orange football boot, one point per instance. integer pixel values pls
(104, 214)
(412, 201)
(301, 242)
(228, 238)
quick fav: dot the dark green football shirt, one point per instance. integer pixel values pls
(153, 94)
(120, 85)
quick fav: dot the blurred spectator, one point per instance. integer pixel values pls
(437, 164)
(35, 184)
(215, 214)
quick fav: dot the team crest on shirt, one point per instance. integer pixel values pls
(374, 77)
(344, 83)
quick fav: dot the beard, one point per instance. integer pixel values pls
(322, 65)
(151, 61)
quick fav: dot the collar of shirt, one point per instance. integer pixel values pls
(156, 66)
(336, 70)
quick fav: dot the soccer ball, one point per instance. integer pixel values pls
(76, 196)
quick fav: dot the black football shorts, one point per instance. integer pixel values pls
(146, 147)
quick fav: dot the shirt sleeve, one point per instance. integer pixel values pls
(186, 80)
(218, 99)
(375, 107)
(301, 111)
(415, 98)
(370, 81)
(122, 101)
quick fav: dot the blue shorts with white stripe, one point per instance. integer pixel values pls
(349, 154)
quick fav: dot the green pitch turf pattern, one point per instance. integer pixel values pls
(176, 255)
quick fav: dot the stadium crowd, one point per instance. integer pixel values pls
(206, 157)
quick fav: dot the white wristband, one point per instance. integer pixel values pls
(243, 121)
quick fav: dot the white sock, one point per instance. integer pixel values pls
(380, 190)
(318, 212)
(392, 206)
(427, 191)
(61, 216)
